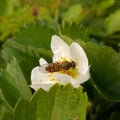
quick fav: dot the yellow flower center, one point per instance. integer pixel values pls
(71, 72)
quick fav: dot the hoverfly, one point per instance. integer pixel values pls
(59, 66)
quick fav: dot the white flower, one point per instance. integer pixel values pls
(42, 78)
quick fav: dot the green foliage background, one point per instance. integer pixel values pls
(26, 27)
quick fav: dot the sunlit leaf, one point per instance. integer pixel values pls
(102, 5)
(44, 14)
(12, 22)
(73, 14)
(60, 103)
(7, 7)
(112, 22)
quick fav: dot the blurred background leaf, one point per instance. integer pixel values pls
(68, 16)
(7, 7)
(11, 23)
(112, 22)
(115, 116)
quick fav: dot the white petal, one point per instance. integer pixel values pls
(42, 61)
(64, 79)
(41, 79)
(38, 76)
(59, 48)
(79, 56)
(46, 86)
(83, 77)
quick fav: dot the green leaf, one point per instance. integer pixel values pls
(44, 14)
(26, 57)
(8, 116)
(105, 70)
(24, 111)
(2, 62)
(73, 13)
(37, 34)
(112, 22)
(74, 31)
(102, 5)
(15, 71)
(8, 85)
(13, 83)
(6, 7)
(11, 24)
(115, 116)
(3, 104)
(60, 103)
(96, 27)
